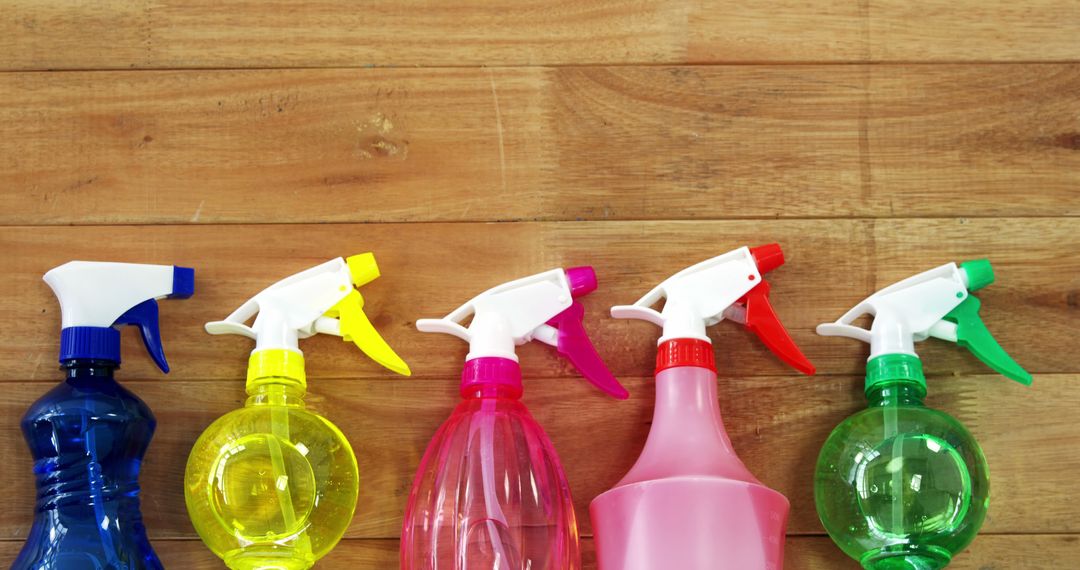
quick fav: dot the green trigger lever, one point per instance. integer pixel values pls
(972, 334)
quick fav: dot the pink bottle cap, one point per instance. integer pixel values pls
(491, 373)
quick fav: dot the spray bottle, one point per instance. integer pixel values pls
(490, 492)
(273, 485)
(899, 485)
(689, 502)
(88, 435)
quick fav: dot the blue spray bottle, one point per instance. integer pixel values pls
(88, 435)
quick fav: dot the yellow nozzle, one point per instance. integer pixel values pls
(363, 269)
(356, 328)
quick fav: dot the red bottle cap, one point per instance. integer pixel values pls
(685, 352)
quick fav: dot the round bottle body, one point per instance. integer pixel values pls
(490, 494)
(899, 486)
(271, 485)
(88, 436)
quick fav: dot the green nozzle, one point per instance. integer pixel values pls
(979, 273)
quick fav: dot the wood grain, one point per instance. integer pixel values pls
(1032, 552)
(429, 269)
(117, 34)
(467, 144)
(390, 423)
(595, 143)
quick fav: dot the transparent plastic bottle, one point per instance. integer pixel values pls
(282, 482)
(900, 486)
(689, 503)
(490, 493)
(88, 436)
(273, 485)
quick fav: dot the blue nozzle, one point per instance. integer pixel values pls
(183, 284)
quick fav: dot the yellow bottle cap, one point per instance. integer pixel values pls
(275, 365)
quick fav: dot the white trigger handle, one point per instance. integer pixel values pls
(444, 326)
(843, 326)
(634, 312)
(234, 323)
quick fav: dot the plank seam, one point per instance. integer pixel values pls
(717, 63)
(575, 220)
(937, 376)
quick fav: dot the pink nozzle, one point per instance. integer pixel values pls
(582, 280)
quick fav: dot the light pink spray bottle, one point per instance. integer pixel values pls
(490, 493)
(689, 503)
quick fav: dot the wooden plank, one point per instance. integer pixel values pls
(777, 425)
(114, 34)
(970, 136)
(972, 30)
(201, 33)
(607, 143)
(1032, 552)
(428, 269)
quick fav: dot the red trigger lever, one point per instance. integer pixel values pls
(761, 319)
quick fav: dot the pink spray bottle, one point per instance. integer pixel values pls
(490, 492)
(689, 503)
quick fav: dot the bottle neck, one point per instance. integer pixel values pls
(687, 437)
(276, 377)
(88, 368)
(275, 391)
(897, 393)
(895, 380)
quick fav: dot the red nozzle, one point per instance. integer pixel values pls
(767, 257)
(582, 280)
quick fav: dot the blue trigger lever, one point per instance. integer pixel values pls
(145, 316)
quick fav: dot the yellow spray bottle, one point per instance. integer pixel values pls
(273, 485)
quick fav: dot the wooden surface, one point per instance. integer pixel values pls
(123, 34)
(509, 144)
(467, 143)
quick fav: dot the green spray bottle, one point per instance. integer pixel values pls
(900, 486)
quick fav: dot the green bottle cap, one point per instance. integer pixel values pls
(979, 273)
(893, 368)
